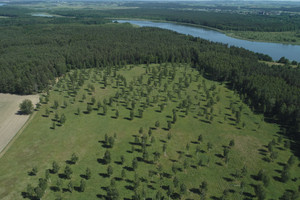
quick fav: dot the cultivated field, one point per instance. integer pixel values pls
(10, 121)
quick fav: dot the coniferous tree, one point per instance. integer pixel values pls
(182, 188)
(157, 124)
(111, 142)
(89, 108)
(209, 146)
(34, 171)
(53, 125)
(200, 138)
(55, 167)
(74, 158)
(109, 170)
(68, 172)
(82, 186)
(260, 192)
(122, 159)
(231, 143)
(134, 164)
(70, 186)
(131, 115)
(29, 191)
(88, 173)
(107, 157)
(285, 175)
(117, 114)
(62, 119)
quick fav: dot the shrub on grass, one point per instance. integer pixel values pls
(26, 107)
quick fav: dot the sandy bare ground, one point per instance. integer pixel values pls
(10, 121)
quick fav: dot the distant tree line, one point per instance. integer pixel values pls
(219, 20)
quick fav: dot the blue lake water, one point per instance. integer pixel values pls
(41, 15)
(275, 50)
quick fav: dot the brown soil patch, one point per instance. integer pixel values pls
(10, 121)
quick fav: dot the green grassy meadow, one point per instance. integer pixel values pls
(202, 107)
(286, 37)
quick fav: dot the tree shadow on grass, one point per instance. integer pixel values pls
(69, 162)
(249, 195)
(101, 196)
(118, 162)
(281, 164)
(62, 176)
(175, 196)
(31, 173)
(205, 121)
(54, 188)
(129, 187)
(104, 175)
(76, 188)
(278, 171)
(228, 179)
(104, 188)
(128, 168)
(166, 175)
(118, 179)
(195, 190)
(219, 155)
(84, 176)
(280, 148)
(151, 187)
(65, 190)
(101, 161)
(262, 152)
(254, 177)
(128, 180)
(276, 178)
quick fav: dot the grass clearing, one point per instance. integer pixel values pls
(288, 37)
(202, 107)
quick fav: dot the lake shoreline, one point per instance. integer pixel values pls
(228, 33)
(274, 50)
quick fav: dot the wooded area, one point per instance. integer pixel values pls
(33, 55)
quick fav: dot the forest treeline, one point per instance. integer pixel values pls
(170, 12)
(219, 20)
(33, 55)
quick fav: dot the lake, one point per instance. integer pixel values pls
(275, 50)
(41, 15)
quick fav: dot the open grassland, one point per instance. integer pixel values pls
(287, 37)
(166, 121)
(272, 63)
(10, 121)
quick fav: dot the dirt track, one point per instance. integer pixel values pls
(10, 121)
